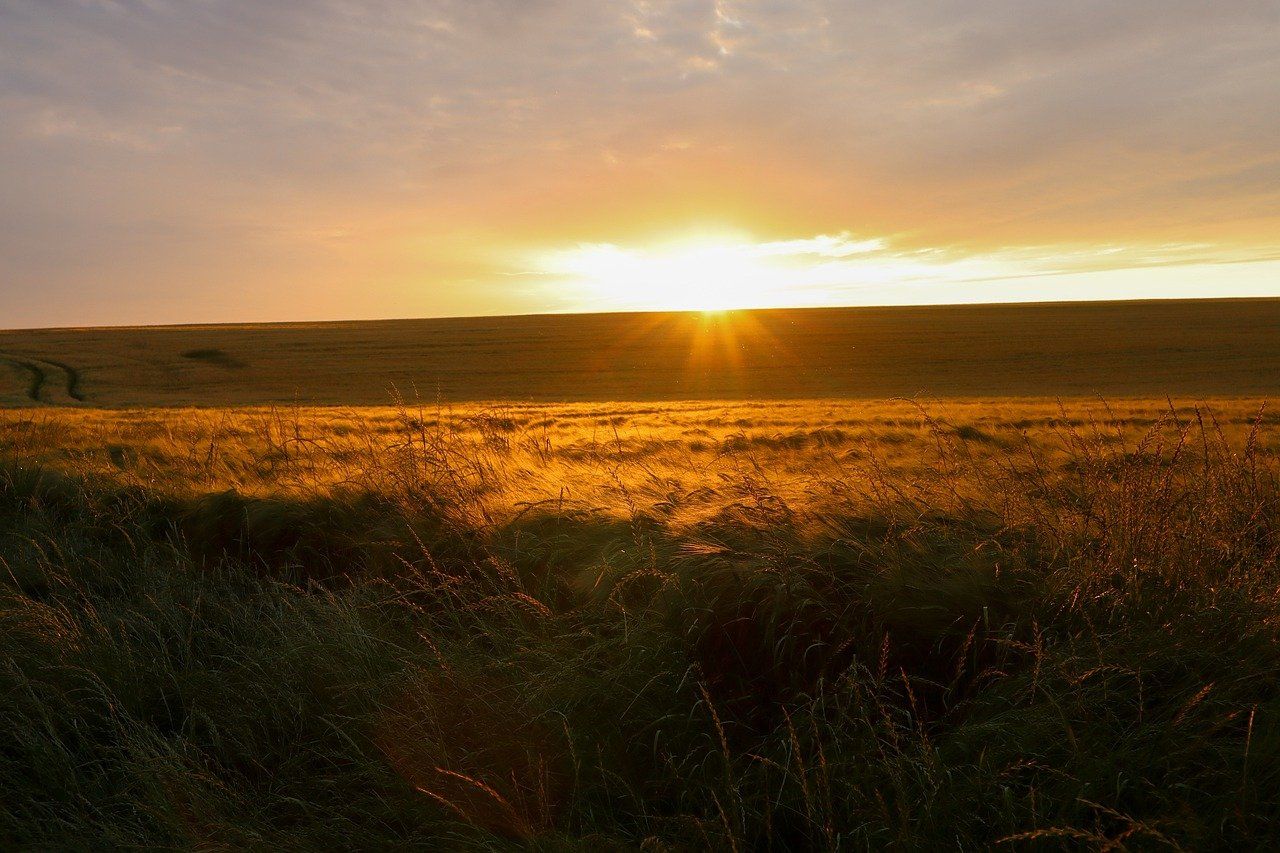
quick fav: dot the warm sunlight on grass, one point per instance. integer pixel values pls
(826, 625)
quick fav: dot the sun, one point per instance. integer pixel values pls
(696, 274)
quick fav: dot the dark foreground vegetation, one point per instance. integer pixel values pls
(1076, 652)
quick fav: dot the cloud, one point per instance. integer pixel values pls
(454, 122)
(841, 245)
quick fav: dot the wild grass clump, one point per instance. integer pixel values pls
(1060, 640)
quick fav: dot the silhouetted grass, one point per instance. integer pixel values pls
(1066, 644)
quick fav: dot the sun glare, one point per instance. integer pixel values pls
(724, 272)
(718, 272)
(692, 275)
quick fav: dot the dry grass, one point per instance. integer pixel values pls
(686, 461)
(818, 625)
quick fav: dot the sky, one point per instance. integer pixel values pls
(171, 161)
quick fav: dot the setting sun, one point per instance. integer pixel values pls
(722, 270)
(661, 425)
(365, 160)
(714, 272)
(700, 275)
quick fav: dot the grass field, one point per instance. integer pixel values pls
(1187, 349)
(821, 625)
(812, 624)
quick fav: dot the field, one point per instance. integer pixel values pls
(244, 606)
(1184, 349)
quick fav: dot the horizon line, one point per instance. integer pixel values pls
(1009, 303)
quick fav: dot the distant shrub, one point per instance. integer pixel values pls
(216, 357)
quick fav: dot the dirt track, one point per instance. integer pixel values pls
(41, 385)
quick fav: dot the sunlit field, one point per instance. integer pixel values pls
(1191, 349)
(685, 462)
(824, 624)
(825, 426)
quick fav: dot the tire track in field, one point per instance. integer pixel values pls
(38, 377)
(35, 376)
(72, 378)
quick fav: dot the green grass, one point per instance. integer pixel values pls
(1066, 647)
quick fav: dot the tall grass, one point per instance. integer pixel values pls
(367, 637)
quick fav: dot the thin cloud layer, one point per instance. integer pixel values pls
(233, 159)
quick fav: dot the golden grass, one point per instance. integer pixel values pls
(820, 624)
(689, 460)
